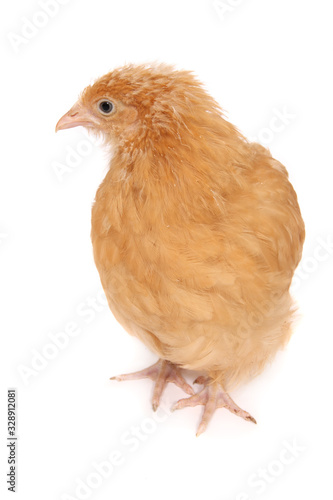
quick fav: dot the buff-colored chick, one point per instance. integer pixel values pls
(196, 232)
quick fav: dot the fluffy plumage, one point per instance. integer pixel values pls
(196, 231)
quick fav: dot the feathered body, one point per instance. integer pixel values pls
(196, 232)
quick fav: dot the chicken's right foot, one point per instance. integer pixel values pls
(162, 373)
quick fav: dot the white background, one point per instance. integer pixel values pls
(257, 58)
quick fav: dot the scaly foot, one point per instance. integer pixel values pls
(161, 372)
(212, 397)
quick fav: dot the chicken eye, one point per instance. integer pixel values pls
(105, 107)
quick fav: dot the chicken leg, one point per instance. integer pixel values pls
(212, 396)
(162, 373)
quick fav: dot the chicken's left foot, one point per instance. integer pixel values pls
(161, 372)
(212, 396)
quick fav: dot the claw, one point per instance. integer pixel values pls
(212, 397)
(161, 372)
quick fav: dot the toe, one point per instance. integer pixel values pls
(209, 410)
(202, 380)
(197, 399)
(181, 382)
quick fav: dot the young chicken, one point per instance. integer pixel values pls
(196, 232)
